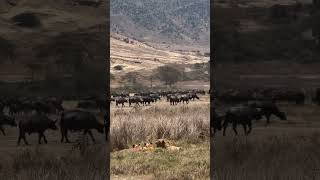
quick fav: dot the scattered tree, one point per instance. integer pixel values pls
(168, 74)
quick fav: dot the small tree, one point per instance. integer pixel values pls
(131, 77)
(168, 74)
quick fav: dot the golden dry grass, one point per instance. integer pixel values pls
(186, 125)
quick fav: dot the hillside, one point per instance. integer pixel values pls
(131, 55)
(61, 28)
(163, 22)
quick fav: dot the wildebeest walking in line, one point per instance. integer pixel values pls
(36, 123)
(174, 100)
(121, 100)
(136, 100)
(6, 120)
(77, 120)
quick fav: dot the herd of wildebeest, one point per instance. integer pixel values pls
(38, 114)
(35, 115)
(246, 105)
(146, 98)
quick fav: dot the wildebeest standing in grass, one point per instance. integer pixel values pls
(155, 97)
(36, 123)
(77, 120)
(241, 115)
(184, 98)
(121, 100)
(193, 96)
(135, 99)
(268, 108)
(147, 100)
(6, 120)
(174, 100)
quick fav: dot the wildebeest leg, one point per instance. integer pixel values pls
(2, 130)
(91, 135)
(214, 132)
(225, 125)
(22, 135)
(39, 136)
(44, 138)
(250, 127)
(64, 135)
(234, 126)
(244, 128)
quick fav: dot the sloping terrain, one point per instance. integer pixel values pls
(137, 56)
(59, 22)
(167, 22)
(132, 56)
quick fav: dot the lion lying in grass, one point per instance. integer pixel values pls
(151, 147)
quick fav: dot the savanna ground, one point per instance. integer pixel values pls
(78, 160)
(282, 150)
(186, 125)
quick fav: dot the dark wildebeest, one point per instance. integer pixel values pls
(174, 100)
(241, 115)
(185, 98)
(135, 99)
(267, 109)
(155, 97)
(121, 100)
(77, 120)
(147, 100)
(215, 123)
(193, 96)
(36, 123)
(6, 120)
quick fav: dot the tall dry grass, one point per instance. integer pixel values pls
(135, 124)
(81, 162)
(186, 125)
(284, 150)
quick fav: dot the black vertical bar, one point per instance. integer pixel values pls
(107, 115)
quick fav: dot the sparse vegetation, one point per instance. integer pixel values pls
(118, 67)
(168, 74)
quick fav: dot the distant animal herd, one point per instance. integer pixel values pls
(247, 105)
(147, 98)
